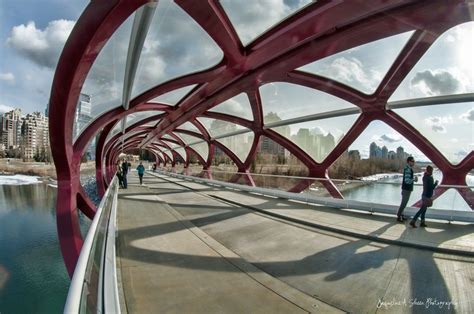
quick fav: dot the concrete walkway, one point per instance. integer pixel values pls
(188, 247)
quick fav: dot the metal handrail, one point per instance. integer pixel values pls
(74, 297)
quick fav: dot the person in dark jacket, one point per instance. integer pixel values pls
(407, 187)
(141, 172)
(428, 187)
(124, 173)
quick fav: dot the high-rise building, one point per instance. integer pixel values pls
(35, 135)
(10, 129)
(83, 114)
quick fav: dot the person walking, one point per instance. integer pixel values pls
(124, 173)
(407, 187)
(141, 171)
(426, 201)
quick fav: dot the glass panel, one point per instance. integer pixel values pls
(377, 157)
(379, 133)
(362, 67)
(202, 149)
(255, 17)
(217, 127)
(138, 116)
(189, 139)
(282, 101)
(451, 200)
(173, 97)
(238, 106)
(181, 151)
(189, 126)
(130, 134)
(175, 45)
(449, 127)
(167, 136)
(115, 130)
(445, 69)
(239, 144)
(318, 138)
(104, 83)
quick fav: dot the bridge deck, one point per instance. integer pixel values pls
(187, 247)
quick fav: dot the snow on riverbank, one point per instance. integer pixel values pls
(18, 179)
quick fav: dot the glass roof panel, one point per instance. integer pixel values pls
(181, 151)
(138, 116)
(318, 138)
(282, 101)
(175, 45)
(238, 106)
(189, 126)
(202, 149)
(362, 67)
(255, 17)
(188, 139)
(173, 97)
(445, 69)
(217, 127)
(383, 135)
(450, 128)
(239, 144)
(116, 129)
(102, 89)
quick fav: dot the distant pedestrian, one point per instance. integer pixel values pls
(129, 166)
(119, 175)
(154, 167)
(407, 187)
(141, 171)
(124, 173)
(426, 197)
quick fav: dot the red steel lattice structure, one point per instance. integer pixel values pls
(317, 31)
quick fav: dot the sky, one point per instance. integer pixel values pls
(32, 34)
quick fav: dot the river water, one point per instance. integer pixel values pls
(33, 278)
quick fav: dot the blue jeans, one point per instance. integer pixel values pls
(124, 179)
(422, 211)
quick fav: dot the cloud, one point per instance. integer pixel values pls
(8, 77)
(438, 123)
(351, 71)
(461, 153)
(438, 82)
(390, 138)
(4, 108)
(468, 116)
(41, 46)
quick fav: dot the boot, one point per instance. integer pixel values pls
(413, 223)
(422, 224)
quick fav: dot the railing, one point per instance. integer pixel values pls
(276, 185)
(94, 286)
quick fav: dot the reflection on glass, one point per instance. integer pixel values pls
(217, 127)
(255, 17)
(175, 45)
(448, 127)
(445, 69)
(282, 101)
(238, 106)
(451, 200)
(362, 67)
(318, 138)
(173, 97)
(239, 144)
(104, 83)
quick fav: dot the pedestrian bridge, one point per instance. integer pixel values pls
(181, 245)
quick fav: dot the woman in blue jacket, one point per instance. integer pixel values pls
(428, 187)
(141, 171)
